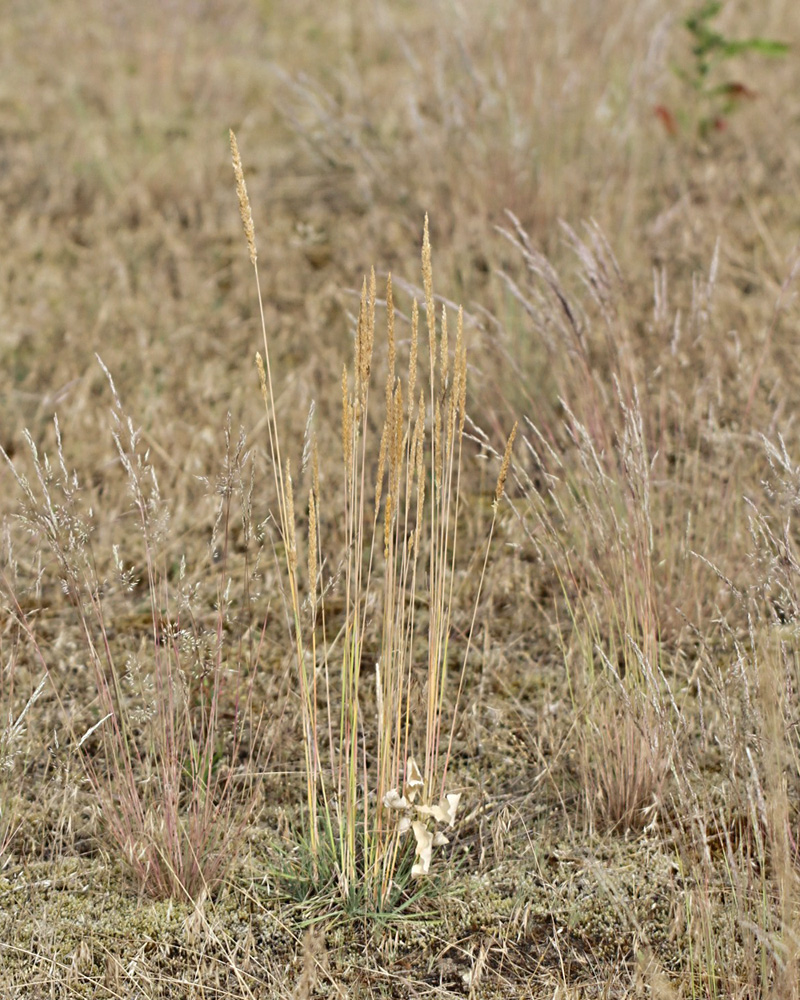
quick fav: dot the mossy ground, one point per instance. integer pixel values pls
(79, 923)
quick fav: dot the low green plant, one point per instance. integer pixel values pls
(309, 879)
(715, 96)
(369, 785)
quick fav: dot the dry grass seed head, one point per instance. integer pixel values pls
(444, 354)
(504, 465)
(312, 546)
(262, 377)
(419, 467)
(385, 431)
(244, 201)
(291, 540)
(371, 314)
(437, 444)
(365, 339)
(427, 282)
(315, 467)
(347, 426)
(460, 372)
(392, 348)
(412, 358)
(398, 437)
(388, 517)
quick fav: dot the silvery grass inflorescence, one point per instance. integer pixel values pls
(401, 540)
(176, 715)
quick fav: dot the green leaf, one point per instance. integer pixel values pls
(696, 22)
(761, 45)
(768, 47)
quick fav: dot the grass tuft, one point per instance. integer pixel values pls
(366, 796)
(171, 723)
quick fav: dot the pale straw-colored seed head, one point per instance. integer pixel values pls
(419, 465)
(369, 336)
(347, 425)
(244, 201)
(412, 449)
(361, 326)
(388, 516)
(315, 466)
(450, 422)
(445, 354)
(262, 377)
(412, 360)
(397, 440)
(373, 291)
(390, 338)
(427, 282)
(436, 443)
(420, 507)
(312, 545)
(365, 338)
(291, 540)
(397, 418)
(461, 371)
(382, 457)
(501, 479)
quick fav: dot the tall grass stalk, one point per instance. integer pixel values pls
(365, 789)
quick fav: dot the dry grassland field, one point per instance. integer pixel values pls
(399, 498)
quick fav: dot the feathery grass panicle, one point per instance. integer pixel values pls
(347, 426)
(262, 377)
(461, 373)
(436, 443)
(371, 318)
(384, 447)
(391, 362)
(430, 316)
(312, 548)
(396, 436)
(413, 355)
(419, 470)
(451, 419)
(388, 519)
(504, 465)
(315, 467)
(360, 362)
(291, 538)
(244, 201)
(365, 340)
(444, 369)
(427, 284)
